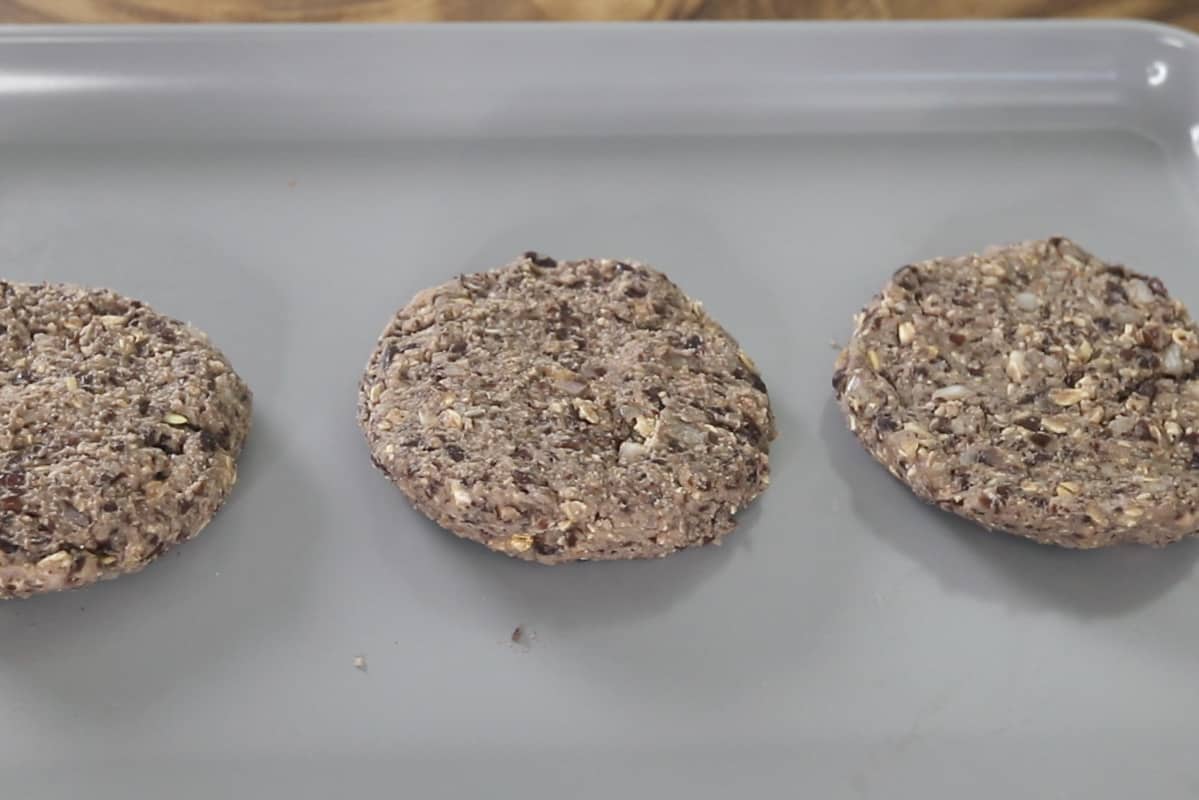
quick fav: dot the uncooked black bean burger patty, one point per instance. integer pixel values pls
(1033, 389)
(118, 433)
(565, 411)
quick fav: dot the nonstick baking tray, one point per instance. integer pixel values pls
(288, 188)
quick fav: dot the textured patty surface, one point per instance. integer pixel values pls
(1033, 389)
(563, 411)
(119, 431)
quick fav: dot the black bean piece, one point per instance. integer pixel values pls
(542, 261)
(839, 381)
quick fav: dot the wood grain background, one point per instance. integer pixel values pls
(1178, 12)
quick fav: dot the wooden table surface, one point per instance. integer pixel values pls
(1178, 12)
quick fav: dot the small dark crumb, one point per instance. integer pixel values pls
(518, 634)
(907, 277)
(1040, 439)
(991, 456)
(749, 431)
(1037, 458)
(956, 338)
(1148, 388)
(1116, 294)
(1031, 422)
(1158, 288)
(1118, 269)
(1148, 361)
(455, 452)
(542, 261)
(543, 546)
(839, 381)
(1154, 336)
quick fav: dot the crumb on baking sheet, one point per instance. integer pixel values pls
(360, 663)
(522, 637)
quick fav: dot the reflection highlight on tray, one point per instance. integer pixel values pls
(56, 82)
(1158, 72)
(980, 76)
(1195, 138)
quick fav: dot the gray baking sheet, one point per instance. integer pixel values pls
(286, 189)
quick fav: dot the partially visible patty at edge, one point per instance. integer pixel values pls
(118, 433)
(1034, 389)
